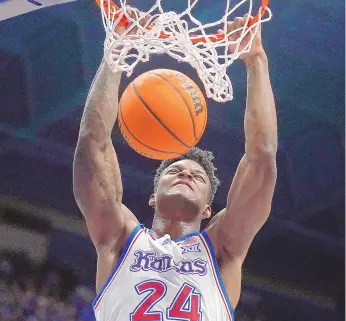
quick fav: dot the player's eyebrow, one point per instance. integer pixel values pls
(173, 166)
(197, 171)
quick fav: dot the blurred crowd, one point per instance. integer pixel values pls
(30, 292)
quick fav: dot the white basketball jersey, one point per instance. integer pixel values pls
(158, 279)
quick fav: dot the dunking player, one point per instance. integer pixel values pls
(172, 271)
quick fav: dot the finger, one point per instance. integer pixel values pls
(232, 35)
(248, 19)
(138, 16)
(141, 17)
(235, 29)
(247, 16)
(146, 19)
(230, 26)
(133, 13)
(238, 23)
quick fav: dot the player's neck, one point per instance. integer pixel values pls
(175, 229)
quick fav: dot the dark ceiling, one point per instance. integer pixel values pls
(49, 57)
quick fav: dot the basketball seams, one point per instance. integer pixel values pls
(183, 99)
(157, 118)
(204, 124)
(122, 120)
(170, 133)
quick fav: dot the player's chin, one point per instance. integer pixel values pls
(181, 202)
(182, 194)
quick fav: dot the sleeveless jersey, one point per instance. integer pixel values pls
(160, 279)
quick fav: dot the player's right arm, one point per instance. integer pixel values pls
(97, 182)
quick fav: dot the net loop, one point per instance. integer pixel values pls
(170, 33)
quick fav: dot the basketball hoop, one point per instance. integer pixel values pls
(169, 33)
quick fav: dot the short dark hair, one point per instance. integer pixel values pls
(203, 158)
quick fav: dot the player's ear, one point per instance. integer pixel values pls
(152, 200)
(207, 211)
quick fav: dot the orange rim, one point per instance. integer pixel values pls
(107, 4)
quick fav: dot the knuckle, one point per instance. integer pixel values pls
(230, 25)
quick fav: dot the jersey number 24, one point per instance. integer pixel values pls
(186, 306)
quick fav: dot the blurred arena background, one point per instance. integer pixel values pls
(48, 57)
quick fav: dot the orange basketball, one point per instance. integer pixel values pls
(162, 114)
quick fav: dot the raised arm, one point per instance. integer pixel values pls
(97, 182)
(96, 175)
(250, 195)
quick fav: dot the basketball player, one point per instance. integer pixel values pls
(172, 271)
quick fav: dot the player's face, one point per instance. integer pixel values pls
(184, 187)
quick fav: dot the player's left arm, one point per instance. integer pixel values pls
(250, 195)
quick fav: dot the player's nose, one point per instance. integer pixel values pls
(185, 174)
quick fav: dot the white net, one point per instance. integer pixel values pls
(169, 33)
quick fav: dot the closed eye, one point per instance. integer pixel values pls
(200, 178)
(172, 171)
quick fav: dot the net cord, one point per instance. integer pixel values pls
(169, 33)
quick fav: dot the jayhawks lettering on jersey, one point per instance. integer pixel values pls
(159, 279)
